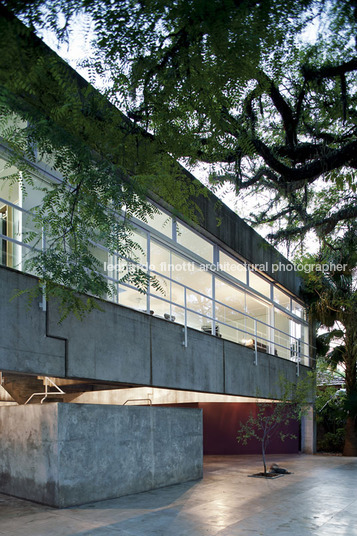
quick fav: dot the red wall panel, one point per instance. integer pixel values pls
(221, 423)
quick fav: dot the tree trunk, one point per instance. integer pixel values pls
(263, 455)
(350, 446)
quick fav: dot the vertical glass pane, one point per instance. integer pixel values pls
(198, 303)
(194, 242)
(232, 324)
(164, 287)
(138, 252)
(131, 297)
(198, 321)
(298, 309)
(161, 309)
(160, 259)
(229, 295)
(101, 256)
(282, 334)
(189, 274)
(160, 221)
(259, 311)
(178, 313)
(259, 284)
(9, 189)
(177, 294)
(281, 298)
(228, 333)
(34, 195)
(305, 354)
(232, 267)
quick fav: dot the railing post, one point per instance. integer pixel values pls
(255, 343)
(43, 304)
(185, 327)
(298, 357)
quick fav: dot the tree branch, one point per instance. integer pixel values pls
(326, 225)
(328, 71)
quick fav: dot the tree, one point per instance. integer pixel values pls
(330, 406)
(108, 167)
(237, 84)
(273, 419)
(332, 293)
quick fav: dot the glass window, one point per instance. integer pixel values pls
(305, 345)
(194, 242)
(259, 284)
(229, 295)
(160, 258)
(160, 308)
(164, 287)
(138, 252)
(103, 266)
(9, 190)
(160, 221)
(232, 267)
(130, 297)
(282, 334)
(298, 310)
(281, 298)
(190, 274)
(259, 311)
(232, 324)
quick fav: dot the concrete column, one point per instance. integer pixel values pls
(308, 431)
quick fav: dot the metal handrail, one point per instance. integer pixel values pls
(47, 393)
(138, 400)
(186, 309)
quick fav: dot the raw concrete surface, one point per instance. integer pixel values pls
(318, 499)
(130, 347)
(70, 454)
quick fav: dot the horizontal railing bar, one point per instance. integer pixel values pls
(214, 302)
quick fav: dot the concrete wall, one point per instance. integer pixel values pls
(70, 454)
(125, 346)
(24, 346)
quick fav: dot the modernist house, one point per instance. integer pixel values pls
(227, 321)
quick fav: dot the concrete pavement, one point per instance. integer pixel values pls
(318, 499)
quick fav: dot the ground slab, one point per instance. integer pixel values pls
(318, 499)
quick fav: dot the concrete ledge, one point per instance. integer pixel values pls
(124, 346)
(70, 454)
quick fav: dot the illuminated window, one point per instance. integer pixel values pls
(194, 243)
(232, 267)
(259, 284)
(282, 299)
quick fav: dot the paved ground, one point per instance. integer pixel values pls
(319, 499)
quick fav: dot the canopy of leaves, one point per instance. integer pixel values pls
(333, 297)
(273, 419)
(238, 85)
(108, 167)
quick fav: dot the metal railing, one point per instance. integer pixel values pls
(255, 337)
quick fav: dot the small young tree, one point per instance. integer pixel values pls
(273, 419)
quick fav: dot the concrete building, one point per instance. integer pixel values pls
(227, 322)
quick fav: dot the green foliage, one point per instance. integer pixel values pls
(94, 203)
(240, 85)
(333, 304)
(331, 441)
(273, 419)
(108, 166)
